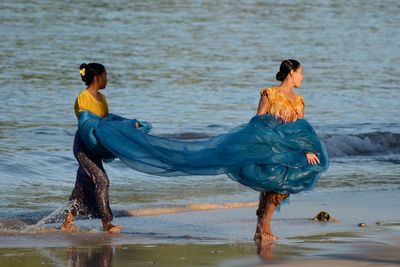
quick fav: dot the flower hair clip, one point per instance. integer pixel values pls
(82, 72)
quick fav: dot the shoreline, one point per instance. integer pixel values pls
(221, 235)
(379, 247)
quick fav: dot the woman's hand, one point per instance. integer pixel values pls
(312, 158)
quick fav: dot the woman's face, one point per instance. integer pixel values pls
(103, 79)
(297, 77)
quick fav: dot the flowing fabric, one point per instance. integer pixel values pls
(263, 154)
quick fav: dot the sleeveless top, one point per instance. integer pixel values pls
(282, 107)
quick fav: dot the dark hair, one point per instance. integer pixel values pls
(89, 71)
(286, 66)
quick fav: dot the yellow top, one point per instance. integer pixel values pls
(282, 107)
(86, 101)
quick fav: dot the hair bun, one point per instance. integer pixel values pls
(83, 65)
(280, 76)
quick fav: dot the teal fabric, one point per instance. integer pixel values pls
(263, 154)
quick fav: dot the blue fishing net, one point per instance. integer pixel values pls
(263, 154)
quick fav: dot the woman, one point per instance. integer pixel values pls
(287, 106)
(90, 195)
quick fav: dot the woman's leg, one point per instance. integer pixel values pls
(102, 185)
(266, 207)
(91, 188)
(93, 167)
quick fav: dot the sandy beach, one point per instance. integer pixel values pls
(221, 236)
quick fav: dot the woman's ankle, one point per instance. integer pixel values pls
(68, 225)
(69, 218)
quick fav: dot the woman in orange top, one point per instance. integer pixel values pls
(287, 106)
(90, 194)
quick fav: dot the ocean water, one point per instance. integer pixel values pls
(194, 69)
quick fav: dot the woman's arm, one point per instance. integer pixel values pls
(263, 105)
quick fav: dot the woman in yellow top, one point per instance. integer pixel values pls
(287, 106)
(90, 194)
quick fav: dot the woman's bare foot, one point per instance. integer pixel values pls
(109, 228)
(265, 237)
(68, 225)
(268, 237)
(264, 233)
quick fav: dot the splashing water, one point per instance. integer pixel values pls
(56, 216)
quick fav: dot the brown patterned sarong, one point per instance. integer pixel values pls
(90, 194)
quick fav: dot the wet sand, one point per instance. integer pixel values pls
(221, 235)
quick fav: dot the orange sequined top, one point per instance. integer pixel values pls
(282, 107)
